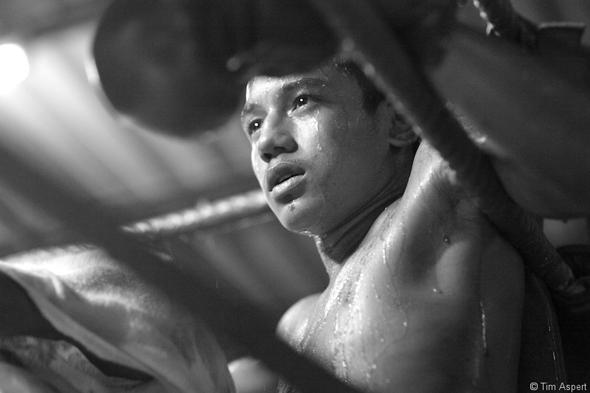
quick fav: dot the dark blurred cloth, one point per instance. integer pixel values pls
(95, 301)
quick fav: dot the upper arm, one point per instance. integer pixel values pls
(465, 284)
(471, 331)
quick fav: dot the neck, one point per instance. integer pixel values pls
(336, 246)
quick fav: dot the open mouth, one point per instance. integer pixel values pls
(283, 176)
(288, 188)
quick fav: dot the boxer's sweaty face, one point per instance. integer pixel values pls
(316, 152)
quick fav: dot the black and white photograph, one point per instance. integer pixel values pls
(281, 196)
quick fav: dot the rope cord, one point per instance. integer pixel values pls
(365, 38)
(205, 215)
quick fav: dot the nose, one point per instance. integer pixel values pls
(276, 138)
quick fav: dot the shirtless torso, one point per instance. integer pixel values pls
(430, 301)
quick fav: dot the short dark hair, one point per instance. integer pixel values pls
(372, 96)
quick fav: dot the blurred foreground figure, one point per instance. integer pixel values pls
(423, 294)
(75, 320)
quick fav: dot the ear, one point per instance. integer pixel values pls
(399, 130)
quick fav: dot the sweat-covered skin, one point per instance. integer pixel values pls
(429, 301)
(423, 295)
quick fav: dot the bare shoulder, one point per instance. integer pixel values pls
(432, 185)
(293, 324)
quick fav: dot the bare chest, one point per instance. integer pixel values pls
(385, 294)
(360, 319)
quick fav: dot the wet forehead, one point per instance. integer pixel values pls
(263, 89)
(262, 86)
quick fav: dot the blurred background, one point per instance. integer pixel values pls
(50, 113)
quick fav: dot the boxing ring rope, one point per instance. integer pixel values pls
(395, 73)
(365, 37)
(205, 215)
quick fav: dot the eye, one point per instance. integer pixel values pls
(254, 125)
(300, 100)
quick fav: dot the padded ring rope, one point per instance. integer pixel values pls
(369, 41)
(205, 215)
